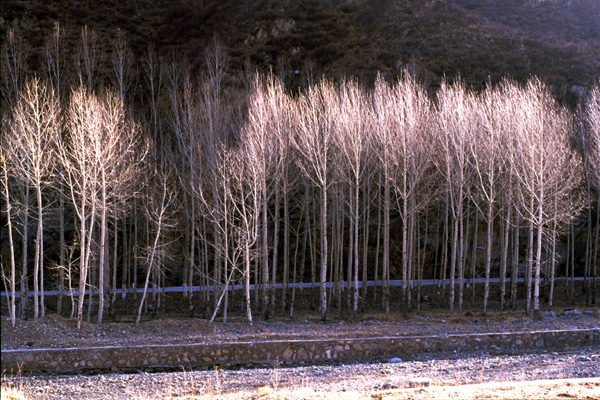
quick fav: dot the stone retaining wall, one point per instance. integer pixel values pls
(166, 357)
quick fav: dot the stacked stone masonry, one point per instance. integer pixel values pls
(188, 356)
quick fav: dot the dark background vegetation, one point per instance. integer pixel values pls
(478, 40)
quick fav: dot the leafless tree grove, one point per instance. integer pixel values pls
(157, 175)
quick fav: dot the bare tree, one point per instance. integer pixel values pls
(160, 209)
(382, 127)
(486, 149)
(544, 156)
(14, 55)
(88, 58)
(185, 129)
(55, 71)
(313, 142)
(100, 157)
(410, 110)
(268, 132)
(353, 143)
(455, 119)
(591, 146)
(123, 79)
(13, 62)
(214, 134)
(246, 199)
(259, 139)
(7, 201)
(117, 155)
(30, 146)
(153, 67)
(82, 176)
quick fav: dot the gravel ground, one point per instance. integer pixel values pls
(375, 380)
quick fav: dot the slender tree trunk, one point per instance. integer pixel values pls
(453, 259)
(405, 223)
(365, 250)
(356, 230)
(186, 247)
(323, 280)
(24, 277)
(348, 284)
(538, 258)
(445, 241)
(265, 254)
(286, 249)
(337, 241)
(62, 250)
(102, 266)
(386, 246)
(275, 262)
(488, 256)
(552, 265)
(12, 302)
(588, 254)
(596, 250)
(571, 281)
(461, 256)
(192, 261)
(135, 248)
(86, 248)
(303, 255)
(115, 257)
(504, 259)
(377, 251)
(313, 256)
(247, 279)
(421, 262)
(530, 262)
(38, 264)
(515, 267)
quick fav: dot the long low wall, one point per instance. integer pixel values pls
(165, 357)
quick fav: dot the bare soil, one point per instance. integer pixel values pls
(54, 331)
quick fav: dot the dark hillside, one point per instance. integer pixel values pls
(476, 39)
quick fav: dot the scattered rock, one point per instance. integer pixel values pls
(420, 382)
(395, 360)
(550, 314)
(589, 313)
(571, 314)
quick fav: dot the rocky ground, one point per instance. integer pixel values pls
(572, 374)
(488, 376)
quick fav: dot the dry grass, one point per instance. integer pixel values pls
(12, 389)
(543, 389)
(585, 388)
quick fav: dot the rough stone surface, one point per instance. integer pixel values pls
(74, 360)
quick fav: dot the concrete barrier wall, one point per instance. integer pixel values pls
(167, 357)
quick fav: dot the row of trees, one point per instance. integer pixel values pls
(219, 184)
